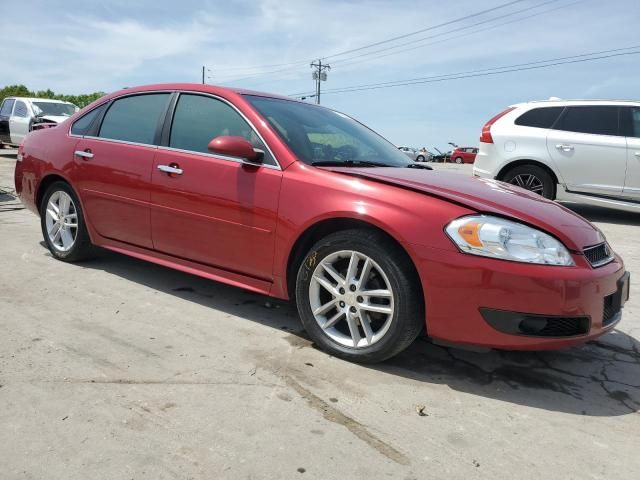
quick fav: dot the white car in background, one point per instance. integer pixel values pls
(20, 115)
(578, 150)
(415, 155)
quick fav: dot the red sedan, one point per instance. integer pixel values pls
(301, 202)
(464, 154)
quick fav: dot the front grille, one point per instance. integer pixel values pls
(598, 255)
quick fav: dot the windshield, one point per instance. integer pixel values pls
(57, 109)
(319, 136)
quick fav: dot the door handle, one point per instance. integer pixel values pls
(564, 147)
(170, 169)
(86, 154)
(637, 154)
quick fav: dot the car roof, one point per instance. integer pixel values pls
(199, 87)
(36, 99)
(557, 102)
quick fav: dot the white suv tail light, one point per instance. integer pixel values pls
(485, 136)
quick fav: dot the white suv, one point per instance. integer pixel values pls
(579, 150)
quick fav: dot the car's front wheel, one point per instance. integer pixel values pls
(62, 222)
(459, 160)
(532, 178)
(420, 158)
(359, 297)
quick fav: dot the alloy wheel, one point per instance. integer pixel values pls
(529, 181)
(351, 299)
(61, 221)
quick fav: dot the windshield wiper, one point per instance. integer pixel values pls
(347, 163)
(420, 165)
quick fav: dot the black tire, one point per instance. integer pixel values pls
(82, 248)
(459, 160)
(541, 175)
(420, 158)
(408, 318)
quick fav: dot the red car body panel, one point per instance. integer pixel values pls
(239, 224)
(467, 157)
(492, 197)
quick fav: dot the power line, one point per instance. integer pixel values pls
(350, 61)
(347, 61)
(433, 27)
(363, 47)
(490, 71)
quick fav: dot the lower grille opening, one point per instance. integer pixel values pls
(516, 323)
(611, 309)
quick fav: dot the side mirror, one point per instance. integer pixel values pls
(236, 147)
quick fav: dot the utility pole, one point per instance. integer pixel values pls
(206, 74)
(319, 75)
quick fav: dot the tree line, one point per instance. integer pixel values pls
(22, 91)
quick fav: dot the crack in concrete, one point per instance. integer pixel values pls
(336, 416)
(126, 381)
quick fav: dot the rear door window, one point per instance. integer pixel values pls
(598, 120)
(135, 118)
(543, 117)
(7, 106)
(199, 119)
(20, 109)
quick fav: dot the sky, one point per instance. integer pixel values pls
(79, 46)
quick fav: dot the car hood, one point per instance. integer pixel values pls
(492, 197)
(54, 118)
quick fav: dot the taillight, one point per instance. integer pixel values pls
(485, 136)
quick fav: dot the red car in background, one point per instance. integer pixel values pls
(300, 202)
(464, 154)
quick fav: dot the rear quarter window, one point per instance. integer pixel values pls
(543, 117)
(85, 124)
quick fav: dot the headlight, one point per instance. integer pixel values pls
(499, 238)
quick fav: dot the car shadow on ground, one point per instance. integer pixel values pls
(601, 378)
(594, 213)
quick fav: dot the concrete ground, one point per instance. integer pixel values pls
(120, 369)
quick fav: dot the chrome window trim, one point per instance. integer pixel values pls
(220, 157)
(125, 142)
(253, 127)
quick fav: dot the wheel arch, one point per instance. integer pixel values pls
(45, 182)
(525, 161)
(322, 228)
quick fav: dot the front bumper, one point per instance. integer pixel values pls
(459, 287)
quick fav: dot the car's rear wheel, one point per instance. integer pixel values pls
(532, 178)
(420, 158)
(459, 160)
(359, 297)
(63, 226)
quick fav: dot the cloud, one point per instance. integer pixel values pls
(79, 46)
